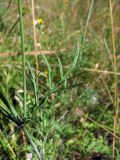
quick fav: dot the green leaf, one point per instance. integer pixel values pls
(49, 71)
(33, 80)
(32, 143)
(8, 105)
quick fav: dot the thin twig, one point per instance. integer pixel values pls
(96, 123)
(115, 80)
(108, 90)
(107, 48)
(100, 71)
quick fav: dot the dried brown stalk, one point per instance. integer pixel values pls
(79, 112)
(100, 71)
(46, 52)
(115, 80)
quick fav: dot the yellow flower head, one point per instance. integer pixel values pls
(45, 72)
(40, 21)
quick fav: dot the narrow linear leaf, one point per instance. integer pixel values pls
(33, 80)
(32, 143)
(8, 105)
(49, 71)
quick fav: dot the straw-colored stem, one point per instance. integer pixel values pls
(115, 81)
(22, 51)
(35, 39)
(108, 91)
(100, 71)
(98, 124)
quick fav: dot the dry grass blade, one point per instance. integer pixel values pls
(108, 91)
(100, 71)
(98, 124)
(32, 53)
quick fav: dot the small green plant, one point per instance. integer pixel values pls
(68, 114)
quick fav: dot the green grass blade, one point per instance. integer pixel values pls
(8, 105)
(49, 71)
(76, 58)
(32, 143)
(86, 28)
(61, 71)
(61, 67)
(7, 147)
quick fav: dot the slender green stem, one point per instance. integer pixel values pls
(22, 51)
(32, 143)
